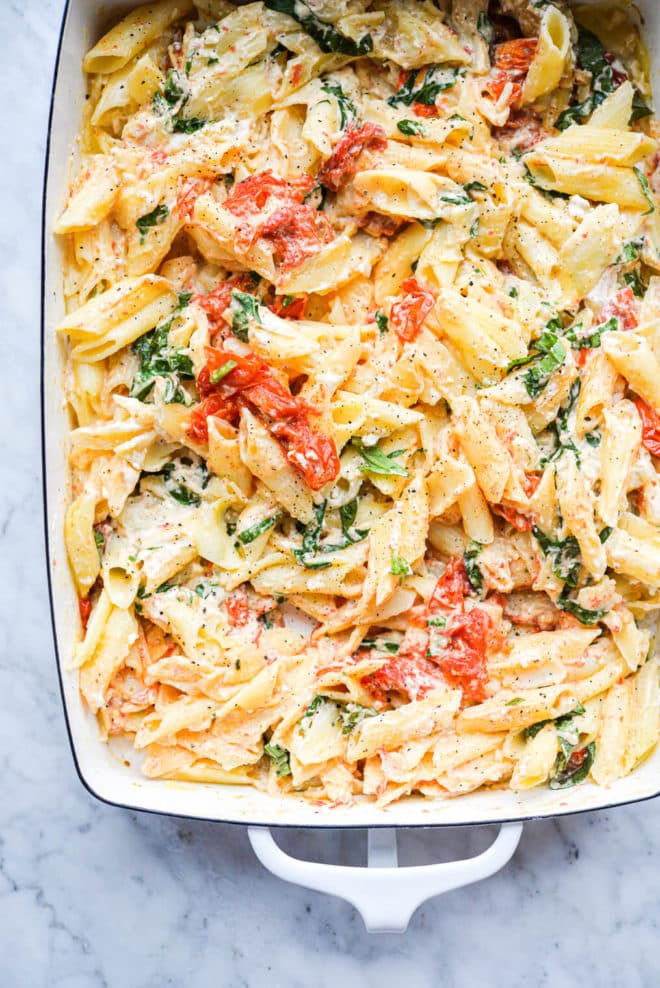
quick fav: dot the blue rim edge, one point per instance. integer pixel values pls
(428, 825)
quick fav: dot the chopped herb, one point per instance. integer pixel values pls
(593, 438)
(227, 368)
(280, 758)
(250, 534)
(183, 494)
(375, 461)
(243, 307)
(382, 322)
(437, 622)
(475, 187)
(203, 590)
(165, 586)
(513, 292)
(639, 108)
(398, 565)
(472, 552)
(325, 35)
(474, 229)
(411, 128)
(347, 109)
(605, 533)
(631, 250)
(514, 702)
(646, 191)
(456, 199)
(310, 540)
(536, 377)
(563, 555)
(156, 216)
(434, 81)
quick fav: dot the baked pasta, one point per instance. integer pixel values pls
(363, 362)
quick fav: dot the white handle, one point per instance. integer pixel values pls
(385, 896)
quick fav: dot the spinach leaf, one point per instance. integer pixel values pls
(325, 35)
(188, 125)
(411, 128)
(639, 108)
(347, 109)
(634, 280)
(183, 494)
(434, 81)
(572, 769)
(221, 372)
(381, 645)
(562, 723)
(591, 55)
(485, 28)
(280, 758)
(347, 514)
(156, 216)
(549, 354)
(472, 552)
(250, 534)
(646, 191)
(172, 90)
(347, 715)
(583, 614)
(158, 359)
(563, 554)
(375, 461)
(243, 306)
(310, 540)
(562, 433)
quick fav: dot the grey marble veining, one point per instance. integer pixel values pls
(95, 896)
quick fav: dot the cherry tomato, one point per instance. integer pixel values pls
(216, 303)
(191, 190)
(452, 588)
(650, 426)
(311, 452)
(463, 662)
(343, 162)
(414, 676)
(520, 522)
(515, 56)
(294, 232)
(407, 315)
(85, 608)
(238, 613)
(289, 306)
(623, 307)
(249, 197)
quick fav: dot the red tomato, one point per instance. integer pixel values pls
(343, 162)
(531, 483)
(452, 588)
(294, 232)
(216, 405)
(496, 86)
(623, 307)
(414, 676)
(515, 56)
(296, 74)
(463, 663)
(251, 195)
(408, 314)
(85, 608)
(423, 110)
(216, 303)
(190, 191)
(292, 309)
(311, 452)
(519, 521)
(650, 426)
(238, 613)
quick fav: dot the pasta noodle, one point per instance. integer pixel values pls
(362, 343)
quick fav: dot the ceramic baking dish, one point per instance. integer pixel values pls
(386, 896)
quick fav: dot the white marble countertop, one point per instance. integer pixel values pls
(96, 896)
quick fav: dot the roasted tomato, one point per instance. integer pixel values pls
(413, 676)
(650, 426)
(251, 195)
(407, 315)
(343, 162)
(216, 303)
(294, 232)
(452, 588)
(515, 56)
(289, 306)
(424, 110)
(521, 522)
(623, 307)
(463, 662)
(251, 382)
(190, 191)
(312, 452)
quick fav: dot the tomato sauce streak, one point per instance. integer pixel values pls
(343, 162)
(650, 426)
(407, 315)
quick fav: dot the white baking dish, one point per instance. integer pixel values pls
(385, 896)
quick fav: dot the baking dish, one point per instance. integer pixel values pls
(385, 896)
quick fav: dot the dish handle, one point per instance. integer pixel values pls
(385, 895)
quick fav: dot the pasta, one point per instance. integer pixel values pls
(363, 370)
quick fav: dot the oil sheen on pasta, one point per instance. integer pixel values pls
(363, 365)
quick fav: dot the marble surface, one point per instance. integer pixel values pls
(93, 896)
